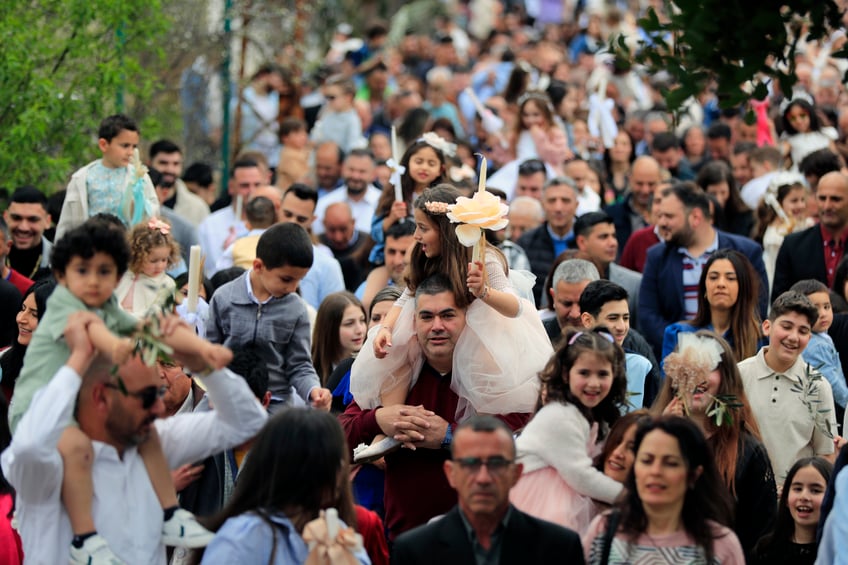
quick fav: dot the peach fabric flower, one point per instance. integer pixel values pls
(328, 543)
(483, 211)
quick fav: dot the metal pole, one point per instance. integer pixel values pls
(226, 85)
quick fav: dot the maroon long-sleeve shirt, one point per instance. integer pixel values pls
(416, 486)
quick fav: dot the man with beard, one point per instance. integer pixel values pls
(669, 287)
(167, 158)
(358, 192)
(27, 218)
(116, 408)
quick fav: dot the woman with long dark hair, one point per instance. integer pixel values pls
(33, 306)
(674, 509)
(296, 467)
(740, 456)
(727, 304)
(716, 178)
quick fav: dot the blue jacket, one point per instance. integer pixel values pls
(661, 294)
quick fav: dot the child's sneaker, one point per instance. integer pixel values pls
(94, 551)
(183, 530)
(366, 453)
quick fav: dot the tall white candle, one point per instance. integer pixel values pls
(193, 278)
(239, 207)
(396, 159)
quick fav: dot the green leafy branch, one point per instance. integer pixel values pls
(808, 389)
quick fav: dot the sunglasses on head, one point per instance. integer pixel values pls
(148, 395)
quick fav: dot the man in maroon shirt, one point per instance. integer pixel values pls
(416, 487)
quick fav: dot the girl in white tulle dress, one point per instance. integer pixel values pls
(499, 353)
(583, 387)
(152, 252)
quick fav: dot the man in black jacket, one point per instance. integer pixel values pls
(543, 244)
(484, 527)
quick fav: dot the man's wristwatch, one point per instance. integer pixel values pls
(446, 443)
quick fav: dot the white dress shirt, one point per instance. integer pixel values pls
(362, 209)
(215, 236)
(125, 508)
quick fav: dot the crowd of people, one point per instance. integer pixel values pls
(641, 358)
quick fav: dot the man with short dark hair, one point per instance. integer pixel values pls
(116, 407)
(666, 149)
(669, 287)
(532, 175)
(221, 228)
(167, 158)
(484, 527)
(27, 218)
(358, 191)
(427, 419)
(544, 243)
(594, 236)
(718, 141)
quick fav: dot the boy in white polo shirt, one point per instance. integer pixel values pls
(793, 404)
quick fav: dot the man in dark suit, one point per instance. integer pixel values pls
(544, 243)
(815, 252)
(670, 280)
(484, 527)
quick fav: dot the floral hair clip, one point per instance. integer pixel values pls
(447, 148)
(439, 208)
(157, 224)
(459, 174)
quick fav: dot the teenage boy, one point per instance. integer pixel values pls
(791, 401)
(604, 303)
(261, 308)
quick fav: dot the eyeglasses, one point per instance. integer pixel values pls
(494, 465)
(148, 395)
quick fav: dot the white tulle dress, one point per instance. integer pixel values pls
(496, 360)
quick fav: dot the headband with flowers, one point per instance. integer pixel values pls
(159, 225)
(432, 139)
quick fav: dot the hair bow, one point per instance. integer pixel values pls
(432, 139)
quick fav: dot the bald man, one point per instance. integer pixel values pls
(815, 252)
(350, 246)
(634, 212)
(525, 214)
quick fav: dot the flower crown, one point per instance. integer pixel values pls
(436, 208)
(435, 141)
(157, 224)
(539, 96)
(797, 94)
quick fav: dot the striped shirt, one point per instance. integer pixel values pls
(692, 268)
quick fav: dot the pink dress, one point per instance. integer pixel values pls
(543, 493)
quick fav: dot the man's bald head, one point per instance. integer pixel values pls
(645, 176)
(339, 225)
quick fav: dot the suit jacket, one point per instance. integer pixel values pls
(527, 541)
(661, 294)
(800, 257)
(539, 247)
(622, 214)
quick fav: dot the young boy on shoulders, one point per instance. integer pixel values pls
(793, 404)
(112, 184)
(604, 303)
(261, 308)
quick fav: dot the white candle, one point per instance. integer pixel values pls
(481, 187)
(396, 159)
(331, 515)
(193, 278)
(239, 206)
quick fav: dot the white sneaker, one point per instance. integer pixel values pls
(94, 551)
(366, 453)
(183, 530)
